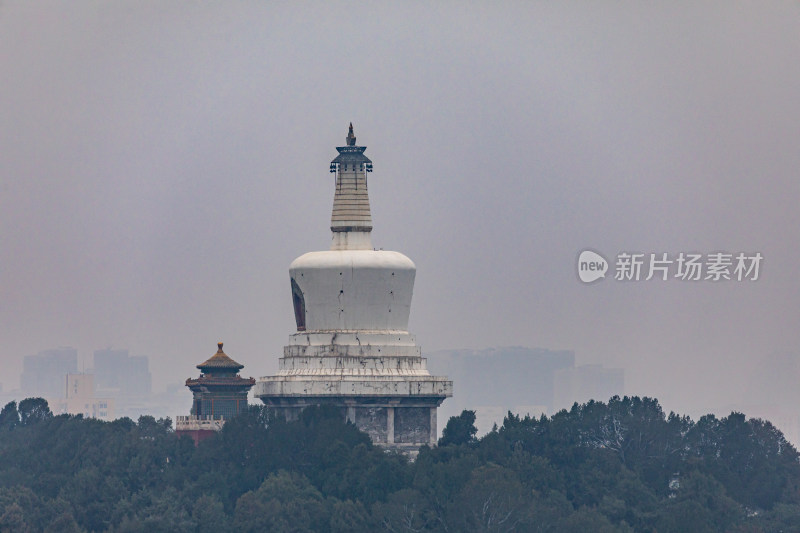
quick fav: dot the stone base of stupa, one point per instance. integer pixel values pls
(384, 389)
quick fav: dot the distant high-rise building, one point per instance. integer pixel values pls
(121, 374)
(43, 374)
(587, 382)
(218, 394)
(525, 381)
(78, 398)
(493, 381)
(352, 349)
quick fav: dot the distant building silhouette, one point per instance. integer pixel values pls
(122, 374)
(493, 381)
(124, 377)
(44, 374)
(525, 381)
(78, 398)
(587, 382)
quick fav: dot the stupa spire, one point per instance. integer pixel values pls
(351, 220)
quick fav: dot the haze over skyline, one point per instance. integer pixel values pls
(162, 164)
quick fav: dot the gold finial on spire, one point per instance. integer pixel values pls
(351, 138)
(219, 347)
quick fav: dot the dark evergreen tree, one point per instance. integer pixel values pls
(9, 416)
(33, 410)
(459, 430)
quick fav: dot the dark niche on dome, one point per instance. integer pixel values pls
(299, 306)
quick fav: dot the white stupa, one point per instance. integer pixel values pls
(352, 348)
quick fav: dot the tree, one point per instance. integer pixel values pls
(33, 410)
(700, 504)
(209, 516)
(64, 523)
(21, 503)
(585, 519)
(157, 513)
(285, 502)
(782, 517)
(459, 429)
(492, 500)
(9, 416)
(405, 511)
(12, 520)
(751, 458)
(349, 517)
(598, 467)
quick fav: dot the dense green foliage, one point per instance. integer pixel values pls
(620, 466)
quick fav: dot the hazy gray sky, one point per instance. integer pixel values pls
(162, 163)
